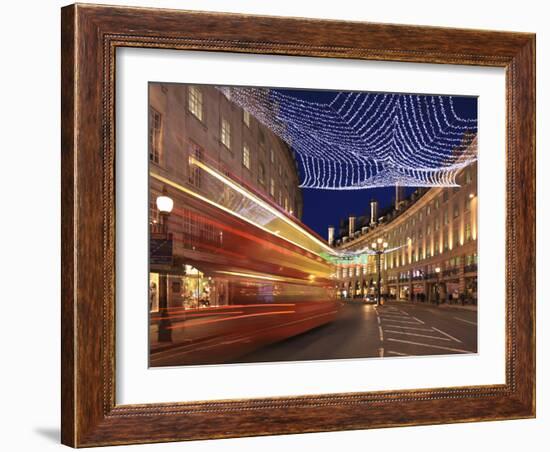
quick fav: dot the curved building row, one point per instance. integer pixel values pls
(432, 246)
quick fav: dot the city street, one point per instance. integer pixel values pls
(395, 329)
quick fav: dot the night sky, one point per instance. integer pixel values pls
(327, 207)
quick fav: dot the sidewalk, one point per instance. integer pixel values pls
(467, 307)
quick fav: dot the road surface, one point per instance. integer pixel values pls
(395, 329)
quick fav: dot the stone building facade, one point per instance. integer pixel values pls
(198, 121)
(432, 247)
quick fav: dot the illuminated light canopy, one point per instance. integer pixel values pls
(357, 140)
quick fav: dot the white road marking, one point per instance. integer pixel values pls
(391, 352)
(415, 318)
(381, 352)
(429, 345)
(381, 334)
(402, 321)
(385, 316)
(378, 319)
(408, 328)
(418, 335)
(466, 321)
(446, 334)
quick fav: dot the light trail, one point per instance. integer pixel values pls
(258, 201)
(206, 322)
(253, 223)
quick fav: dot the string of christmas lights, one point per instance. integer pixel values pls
(356, 140)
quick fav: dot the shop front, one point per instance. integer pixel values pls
(188, 289)
(452, 291)
(404, 292)
(470, 290)
(418, 293)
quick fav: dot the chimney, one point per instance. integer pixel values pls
(331, 235)
(373, 211)
(351, 225)
(399, 195)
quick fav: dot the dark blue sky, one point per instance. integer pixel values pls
(327, 207)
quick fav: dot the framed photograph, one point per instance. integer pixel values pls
(281, 225)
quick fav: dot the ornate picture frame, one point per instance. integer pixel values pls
(90, 37)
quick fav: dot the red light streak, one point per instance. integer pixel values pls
(206, 322)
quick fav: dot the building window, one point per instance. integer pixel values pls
(194, 170)
(467, 232)
(436, 224)
(246, 118)
(261, 173)
(456, 238)
(226, 133)
(428, 211)
(428, 230)
(466, 204)
(246, 156)
(446, 217)
(471, 259)
(455, 210)
(272, 187)
(197, 232)
(272, 156)
(155, 123)
(153, 211)
(195, 102)
(436, 203)
(286, 203)
(468, 176)
(445, 195)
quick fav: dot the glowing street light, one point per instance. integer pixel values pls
(379, 247)
(437, 286)
(165, 204)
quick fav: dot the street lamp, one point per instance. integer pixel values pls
(379, 247)
(438, 273)
(165, 204)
